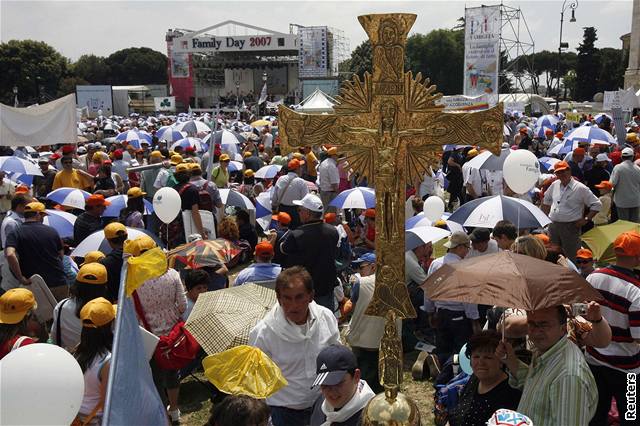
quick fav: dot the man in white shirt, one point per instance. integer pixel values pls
(328, 178)
(482, 243)
(455, 322)
(472, 177)
(288, 188)
(625, 178)
(7, 191)
(292, 334)
(267, 140)
(565, 202)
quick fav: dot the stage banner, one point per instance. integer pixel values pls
(482, 50)
(95, 98)
(165, 104)
(313, 52)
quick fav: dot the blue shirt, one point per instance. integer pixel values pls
(258, 272)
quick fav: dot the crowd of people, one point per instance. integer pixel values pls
(554, 365)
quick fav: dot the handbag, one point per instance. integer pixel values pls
(175, 350)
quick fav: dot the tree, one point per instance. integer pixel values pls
(587, 65)
(611, 71)
(68, 85)
(34, 67)
(438, 55)
(137, 65)
(360, 61)
(91, 68)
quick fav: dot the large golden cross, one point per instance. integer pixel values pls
(390, 128)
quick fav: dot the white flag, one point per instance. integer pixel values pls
(244, 106)
(263, 94)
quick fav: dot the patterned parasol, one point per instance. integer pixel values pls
(203, 253)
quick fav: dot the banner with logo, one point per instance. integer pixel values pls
(165, 104)
(482, 50)
(95, 98)
(313, 53)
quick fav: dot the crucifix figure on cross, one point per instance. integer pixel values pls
(391, 130)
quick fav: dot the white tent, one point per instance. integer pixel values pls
(318, 101)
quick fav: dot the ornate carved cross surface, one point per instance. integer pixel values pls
(391, 129)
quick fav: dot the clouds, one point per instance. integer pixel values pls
(102, 27)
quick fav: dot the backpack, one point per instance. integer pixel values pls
(204, 198)
(447, 396)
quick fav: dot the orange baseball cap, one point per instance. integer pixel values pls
(264, 248)
(584, 254)
(294, 164)
(96, 200)
(370, 213)
(579, 151)
(559, 135)
(544, 238)
(561, 165)
(605, 184)
(282, 217)
(329, 217)
(627, 244)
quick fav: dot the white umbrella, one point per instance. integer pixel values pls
(62, 222)
(71, 197)
(420, 235)
(19, 165)
(97, 241)
(268, 172)
(230, 197)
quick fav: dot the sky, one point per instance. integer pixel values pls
(97, 27)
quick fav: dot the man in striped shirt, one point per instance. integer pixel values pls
(620, 287)
(558, 388)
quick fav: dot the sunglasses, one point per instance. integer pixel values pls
(584, 260)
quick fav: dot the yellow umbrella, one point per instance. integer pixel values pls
(600, 239)
(260, 123)
(244, 370)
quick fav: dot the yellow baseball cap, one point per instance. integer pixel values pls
(35, 206)
(155, 154)
(114, 230)
(92, 273)
(195, 166)
(224, 157)
(92, 257)
(248, 173)
(139, 245)
(97, 313)
(176, 159)
(135, 192)
(15, 304)
(247, 154)
(182, 167)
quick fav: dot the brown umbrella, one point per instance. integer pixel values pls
(509, 280)
(222, 319)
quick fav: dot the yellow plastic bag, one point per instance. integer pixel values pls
(244, 370)
(150, 264)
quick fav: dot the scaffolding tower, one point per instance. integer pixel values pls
(516, 44)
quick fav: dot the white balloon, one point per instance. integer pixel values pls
(521, 171)
(433, 208)
(41, 384)
(166, 204)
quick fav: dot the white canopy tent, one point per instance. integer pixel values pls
(317, 102)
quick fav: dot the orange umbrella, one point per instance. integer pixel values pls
(511, 280)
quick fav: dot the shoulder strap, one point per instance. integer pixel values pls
(281, 196)
(612, 272)
(140, 311)
(18, 342)
(184, 188)
(58, 326)
(205, 186)
(93, 413)
(218, 172)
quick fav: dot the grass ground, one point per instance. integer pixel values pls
(196, 405)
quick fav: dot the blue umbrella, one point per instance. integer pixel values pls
(263, 209)
(268, 172)
(235, 166)
(135, 138)
(19, 165)
(70, 197)
(589, 134)
(61, 221)
(193, 126)
(119, 202)
(20, 178)
(546, 122)
(356, 198)
(190, 141)
(169, 134)
(485, 212)
(599, 118)
(231, 197)
(547, 163)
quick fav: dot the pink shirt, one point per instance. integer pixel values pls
(163, 301)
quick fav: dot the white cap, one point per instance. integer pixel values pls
(627, 152)
(310, 202)
(82, 150)
(602, 157)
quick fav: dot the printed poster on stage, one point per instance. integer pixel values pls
(312, 57)
(95, 98)
(482, 50)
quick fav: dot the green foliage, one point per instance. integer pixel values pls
(612, 67)
(92, 69)
(360, 61)
(137, 65)
(587, 66)
(29, 64)
(438, 55)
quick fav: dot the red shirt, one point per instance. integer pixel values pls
(6, 347)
